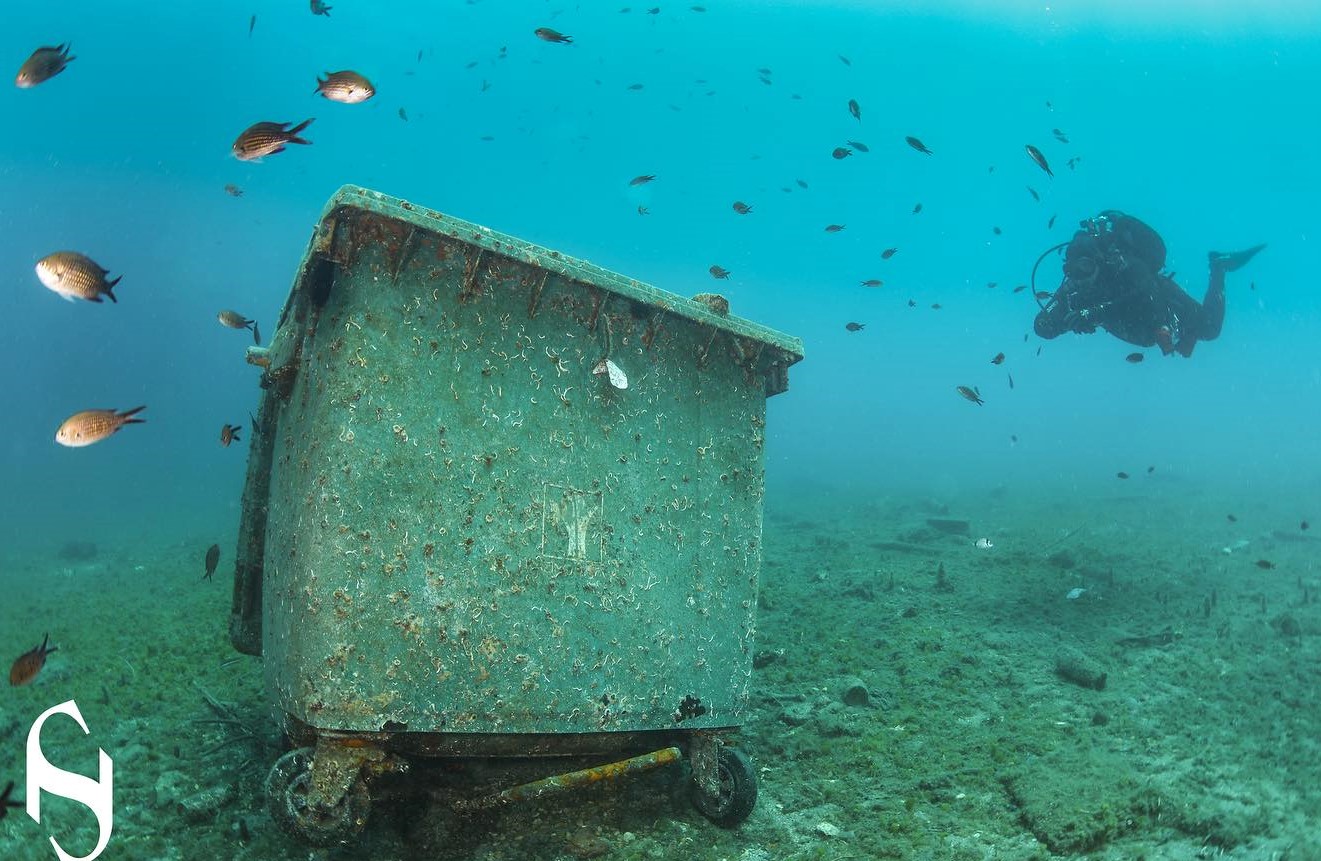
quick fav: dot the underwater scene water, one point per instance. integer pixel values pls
(1035, 579)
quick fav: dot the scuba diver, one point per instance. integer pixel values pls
(1114, 279)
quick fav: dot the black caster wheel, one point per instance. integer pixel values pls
(738, 790)
(287, 787)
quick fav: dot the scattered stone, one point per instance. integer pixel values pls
(950, 526)
(1061, 559)
(766, 657)
(855, 693)
(205, 805)
(797, 714)
(1287, 625)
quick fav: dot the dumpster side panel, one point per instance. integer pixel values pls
(470, 531)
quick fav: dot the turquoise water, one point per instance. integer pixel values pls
(1196, 118)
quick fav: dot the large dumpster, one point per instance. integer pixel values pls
(501, 503)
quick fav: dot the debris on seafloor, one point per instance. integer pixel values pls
(1075, 593)
(1073, 666)
(1161, 638)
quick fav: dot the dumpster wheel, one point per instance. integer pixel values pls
(287, 787)
(738, 790)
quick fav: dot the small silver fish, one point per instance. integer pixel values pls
(346, 87)
(263, 139)
(75, 276)
(91, 426)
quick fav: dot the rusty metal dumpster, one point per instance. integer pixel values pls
(500, 502)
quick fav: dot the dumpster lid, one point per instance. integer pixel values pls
(704, 312)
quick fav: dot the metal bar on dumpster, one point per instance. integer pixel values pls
(574, 779)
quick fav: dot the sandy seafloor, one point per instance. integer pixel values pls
(970, 747)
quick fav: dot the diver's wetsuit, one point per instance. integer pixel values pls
(1114, 280)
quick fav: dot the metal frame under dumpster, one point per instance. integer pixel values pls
(499, 502)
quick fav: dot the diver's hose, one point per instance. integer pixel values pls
(1034, 272)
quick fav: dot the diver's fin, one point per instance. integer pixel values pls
(1231, 261)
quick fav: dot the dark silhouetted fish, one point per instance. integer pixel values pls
(212, 560)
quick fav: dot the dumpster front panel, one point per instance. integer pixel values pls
(470, 531)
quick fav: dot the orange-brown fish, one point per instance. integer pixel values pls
(546, 34)
(89, 426)
(841, 152)
(1121, 475)
(855, 327)
(917, 208)
(741, 208)
(855, 110)
(642, 210)
(1263, 564)
(45, 63)
(1035, 154)
(27, 666)
(970, 394)
(75, 276)
(835, 228)
(233, 190)
(266, 138)
(347, 87)
(643, 179)
(858, 145)
(718, 272)
(319, 7)
(888, 253)
(917, 145)
(1134, 358)
(212, 559)
(229, 433)
(1020, 288)
(235, 320)
(998, 359)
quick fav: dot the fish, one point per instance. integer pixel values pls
(1231, 518)
(855, 110)
(75, 276)
(320, 8)
(636, 87)
(6, 803)
(1011, 385)
(1073, 162)
(766, 81)
(845, 60)
(718, 272)
(267, 138)
(230, 433)
(45, 63)
(841, 152)
(91, 426)
(970, 394)
(991, 285)
(764, 71)
(1035, 154)
(1043, 295)
(996, 230)
(888, 253)
(1020, 288)
(403, 115)
(655, 10)
(1134, 358)
(1150, 470)
(643, 179)
(801, 184)
(233, 190)
(917, 208)
(252, 22)
(998, 359)
(28, 665)
(212, 559)
(1263, 564)
(1013, 439)
(235, 320)
(835, 228)
(912, 304)
(346, 87)
(1051, 223)
(858, 145)
(935, 306)
(1032, 191)
(698, 8)
(546, 34)
(918, 145)
(642, 210)
(855, 327)
(1060, 136)
(741, 208)
(1304, 526)
(1121, 475)
(871, 282)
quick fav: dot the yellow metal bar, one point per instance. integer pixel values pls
(577, 779)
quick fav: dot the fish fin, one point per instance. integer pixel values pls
(127, 415)
(256, 334)
(65, 296)
(304, 124)
(1229, 262)
(96, 298)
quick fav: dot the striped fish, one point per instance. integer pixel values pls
(262, 139)
(89, 426)
(75, 276)
(45, 63)
(347, 87)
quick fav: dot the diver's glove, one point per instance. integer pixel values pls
(1080, 322)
